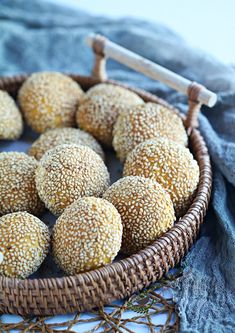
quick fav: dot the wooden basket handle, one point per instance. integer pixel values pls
(197, 94)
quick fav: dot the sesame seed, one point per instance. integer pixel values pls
(11, 124)
(49, 100)
(59, 136)
(146, 211)
(99, 109)
(17, 184)
(87, 235)
(171, 165)
(69, 172)
(142, 122)
(24, 244)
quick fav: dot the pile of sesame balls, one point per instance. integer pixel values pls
(64, 171)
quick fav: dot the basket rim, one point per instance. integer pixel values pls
(181, 228)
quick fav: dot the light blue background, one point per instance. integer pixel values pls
(205, 24)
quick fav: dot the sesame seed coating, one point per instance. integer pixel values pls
(59, 136)
(87, 235)
(24, 244)
(170, 164)
(114, 91)
(143, 122)
(146, 211)
(17, 184)
(49, 100)
(68, 172)
(11, 123)
(99, 110)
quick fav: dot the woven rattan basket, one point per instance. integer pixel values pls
(122, 278)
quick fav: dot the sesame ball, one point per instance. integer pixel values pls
(17, 184)
(59, 136)
(113, 91)
(170, 164)
(49, 100)
(24, 244)
(69, 172)
(87, 235)
(11, 123)
(143, 122)
(146, 211)
(99, 110)
(105, 88)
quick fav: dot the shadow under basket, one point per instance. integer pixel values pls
(51, 296)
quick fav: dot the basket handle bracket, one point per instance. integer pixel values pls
(99, 70)
(197, 93)
(194, 106)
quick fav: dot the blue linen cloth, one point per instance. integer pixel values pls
(39, 36)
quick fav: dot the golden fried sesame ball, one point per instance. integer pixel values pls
(24, 244)
(146, 211)
(99, 110)
(104, 88)
(113, 91)
(143, 122)
(68, 172)
(49, 100)
(11, 123)
(170, 164)
(59, 136)
(17, 184)
(87, 235)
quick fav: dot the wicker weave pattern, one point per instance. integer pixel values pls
(120, 279)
